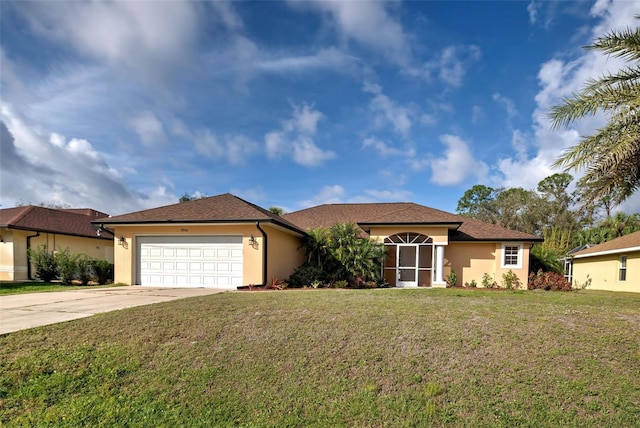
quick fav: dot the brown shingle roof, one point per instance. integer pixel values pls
(631, 240)
(474, 230)
(49, 220)
(368, 214)
(222, 208)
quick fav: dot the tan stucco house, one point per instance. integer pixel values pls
(612, 265)
(29, 226)
(224, 241)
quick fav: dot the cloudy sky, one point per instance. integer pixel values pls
(122, 106)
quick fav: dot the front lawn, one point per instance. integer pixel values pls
(334, 358)
(7, 288)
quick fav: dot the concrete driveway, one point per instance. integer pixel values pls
(22, 311)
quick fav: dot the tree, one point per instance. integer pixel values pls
(276, 210)
(187, 197)
(478, 203)
(611, 155)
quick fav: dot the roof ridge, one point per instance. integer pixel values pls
(23, 214)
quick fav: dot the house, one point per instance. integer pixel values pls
(613, 265)
(29, 226)
(224, 241)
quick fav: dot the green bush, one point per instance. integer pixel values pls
(102, 271)
(488, 281)
(307, 274)
(67, 267)
(83, 268)
(472, 284)
(511, 281)
(341, 284)
(44, 263)
(452, 278)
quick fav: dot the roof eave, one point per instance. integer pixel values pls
(179, 222)
(57, 232)
(607, 252)
(448, 224)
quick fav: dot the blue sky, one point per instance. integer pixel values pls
(122, 106)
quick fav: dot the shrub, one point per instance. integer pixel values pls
(585, 284)
(44, 263)
(84, 271)
(452, 278)
(488, 281)
(510, 280)
(551, 281)
(102, 271)
(306, 275)
(341, 284)
(66, 265)
(472, 284)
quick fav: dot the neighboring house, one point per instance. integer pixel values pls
(224, 241)
(613, 265)
(29, 226)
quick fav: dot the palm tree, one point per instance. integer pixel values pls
(611, 156)
(316, 246)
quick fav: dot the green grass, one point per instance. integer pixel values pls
(7, 288)
(334, 358)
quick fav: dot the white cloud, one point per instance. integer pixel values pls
(234, 148)
(452, 64)
(128, 34)
(389, 111)
(457, 164)
(477, 114)
(396, 195)
(148, 127)
(532, 8)
(328, 195)
(330, 59)
(38, 167)
(370, 24)
(507, 103)
(384, 149)
(305, 120)
(560, 78)
(296, 138)
(306, 153)
(428, 119)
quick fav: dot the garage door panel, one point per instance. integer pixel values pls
(190, 261)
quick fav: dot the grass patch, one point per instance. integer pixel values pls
(7, 288)
(334, 358)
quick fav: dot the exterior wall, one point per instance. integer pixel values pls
(125, 257)
(284, 254)
(13, 252)
(603, 272)
(471, 261)
(440, 235)
(9, 269)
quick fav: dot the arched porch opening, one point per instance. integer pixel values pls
(409, 260)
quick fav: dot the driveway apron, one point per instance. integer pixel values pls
(22, 311)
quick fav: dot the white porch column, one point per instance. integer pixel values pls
(439, 280)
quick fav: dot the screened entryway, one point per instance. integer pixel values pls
(409, 260)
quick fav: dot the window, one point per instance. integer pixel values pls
(622, 269)
(512, 256)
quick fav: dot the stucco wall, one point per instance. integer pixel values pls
(281, 256)
(284, 255)
(13, 252)
(7, 263)
(471, 261)
(440, 235)
(603, 272)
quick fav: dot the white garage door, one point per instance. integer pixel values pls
(213, 261)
